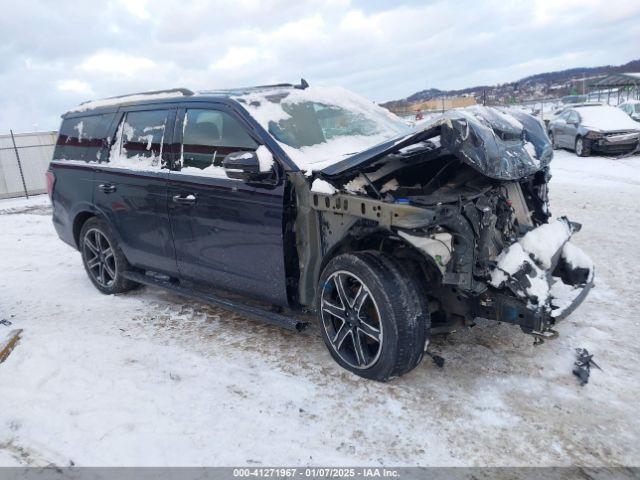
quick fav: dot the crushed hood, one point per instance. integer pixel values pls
(504, 144)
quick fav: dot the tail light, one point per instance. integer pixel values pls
(51, 180)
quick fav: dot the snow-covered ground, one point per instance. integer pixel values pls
(147, 378)
(23, 204)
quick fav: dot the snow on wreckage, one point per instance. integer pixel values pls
(468, 191)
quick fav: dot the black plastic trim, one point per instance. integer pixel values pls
(257, 313)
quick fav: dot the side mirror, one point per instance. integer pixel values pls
(636, 116)
(244, 165)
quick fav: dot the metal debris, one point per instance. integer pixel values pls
(437, 359)
(5, 322)
(582, 366)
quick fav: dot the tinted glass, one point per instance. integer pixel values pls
(573, 117)
(143, 134)
(312, 123)
(210, 135)
(83, 138)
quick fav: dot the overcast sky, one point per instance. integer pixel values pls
(55, 54)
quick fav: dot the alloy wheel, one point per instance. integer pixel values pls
(99, 258)
(351, 320)
(579, 147)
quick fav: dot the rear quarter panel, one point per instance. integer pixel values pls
(72, 194)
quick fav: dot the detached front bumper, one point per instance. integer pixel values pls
(539, 280)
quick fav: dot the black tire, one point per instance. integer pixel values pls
(394, 311)
(103, 259)
(412, 277)
(552, 138)
(582, 147)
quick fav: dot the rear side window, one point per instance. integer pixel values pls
(140, 140)
(83, 138)
(209, 136)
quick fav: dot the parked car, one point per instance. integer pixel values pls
(631, 108)
(588, 129)
(307, 199)
(558, 111)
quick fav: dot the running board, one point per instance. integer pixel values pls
(257, 313)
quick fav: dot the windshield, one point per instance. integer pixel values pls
(312, 123)
(320, 126)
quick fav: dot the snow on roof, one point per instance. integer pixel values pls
(137, 97)
(619, 80)
(606, 118)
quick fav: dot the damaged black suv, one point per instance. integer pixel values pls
(283, 199)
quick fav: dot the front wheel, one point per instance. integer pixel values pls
(103, 260)
(582, 147)
(372, 318)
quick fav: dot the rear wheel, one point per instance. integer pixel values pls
(583, 149)
(371, 316)
(103, 260)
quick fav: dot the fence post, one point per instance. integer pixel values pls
(15, 147)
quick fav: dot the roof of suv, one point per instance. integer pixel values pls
(174, 94)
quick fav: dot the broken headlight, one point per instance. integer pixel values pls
(594, 135)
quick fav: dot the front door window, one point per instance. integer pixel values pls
(208, 137)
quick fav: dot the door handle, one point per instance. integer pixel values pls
(107, 187)
(189, 199)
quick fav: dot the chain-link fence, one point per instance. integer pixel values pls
(24, 158)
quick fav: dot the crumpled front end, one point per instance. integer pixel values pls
(500, 145)
(501, 258)
(468, 194)
(547, 273)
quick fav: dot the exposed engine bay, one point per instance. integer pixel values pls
(469, 192)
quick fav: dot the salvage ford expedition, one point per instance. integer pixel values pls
(277, 200)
